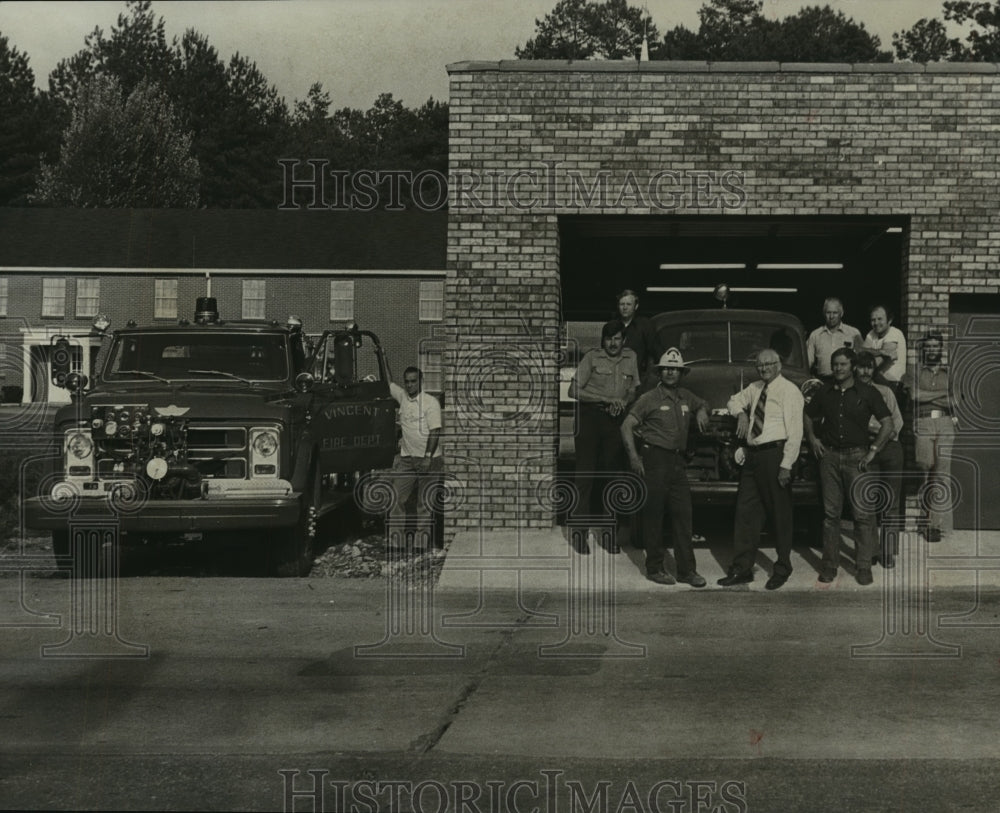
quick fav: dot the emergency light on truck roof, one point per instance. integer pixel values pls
(206, 310)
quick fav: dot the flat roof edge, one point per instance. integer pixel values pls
(669, 66)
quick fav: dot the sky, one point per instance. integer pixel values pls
(361, 48)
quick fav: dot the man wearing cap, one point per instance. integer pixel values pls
(829, 337)
(604, 384)
(662, 418)
(769, 415)
(928, 387)
(836, 423)
(889, 461)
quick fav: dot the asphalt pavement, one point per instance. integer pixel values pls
(337, 694)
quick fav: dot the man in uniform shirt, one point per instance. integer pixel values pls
(934, 428)
(769, 416)
(843, 410)
(831, 336)
(889, 461)
(604, 384)
(420, 459)
(638, 332)
(888, 345)
(662, 418)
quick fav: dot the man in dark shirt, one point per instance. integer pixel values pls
(639, 335)
(662, 418)
(836, 425)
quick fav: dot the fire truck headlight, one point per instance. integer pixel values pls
(265, 444)
(80, 446)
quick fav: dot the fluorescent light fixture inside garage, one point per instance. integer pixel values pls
(800, 266)
(702, 266)
(740, 290)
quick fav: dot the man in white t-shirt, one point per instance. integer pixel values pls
(888, 345)
(419, 461)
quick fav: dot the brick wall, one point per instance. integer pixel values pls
(735, 139)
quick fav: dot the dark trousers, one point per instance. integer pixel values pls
(599, 449)
(666, 487)
(761, 496)
(838, 469)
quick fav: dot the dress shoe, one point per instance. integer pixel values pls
(579, 543)
(827, 576)
(933, 534)
(864, 576)
(693, 578)
(661, 577)
(736, 577)
(613, 547)
(775, 581)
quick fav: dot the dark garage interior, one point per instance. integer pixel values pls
(601, 255)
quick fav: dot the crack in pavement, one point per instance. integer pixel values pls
(425, 742)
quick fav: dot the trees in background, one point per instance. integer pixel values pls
(928, 39)
(583, 29)
(240, 127)
(237, 123)
(121, 150)
(29, 127)
(729, 30)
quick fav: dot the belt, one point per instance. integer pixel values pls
(660, 448)
(602, 408)
(942, 413)
(774, 444)
(849, 448)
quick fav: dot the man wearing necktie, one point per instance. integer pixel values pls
(773, 436)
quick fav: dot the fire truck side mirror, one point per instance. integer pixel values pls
(62, 361)
(304, 382)
(343, 360)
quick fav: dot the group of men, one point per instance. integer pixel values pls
(613, 415)
(852, 423)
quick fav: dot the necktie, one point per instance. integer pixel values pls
(758, 414)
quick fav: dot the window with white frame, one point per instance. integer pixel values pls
(53, 297)
(3, 295)
(254, 295)
(430, 366)
(431, 301)
(88, 296)
(341, 300)
(165, 299)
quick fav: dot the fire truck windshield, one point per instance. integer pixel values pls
(198, 356)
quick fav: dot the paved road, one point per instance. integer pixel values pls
(198, 693)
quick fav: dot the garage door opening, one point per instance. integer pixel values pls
(779, 271)
(787, 264)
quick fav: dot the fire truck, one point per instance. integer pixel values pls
(243, 432)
